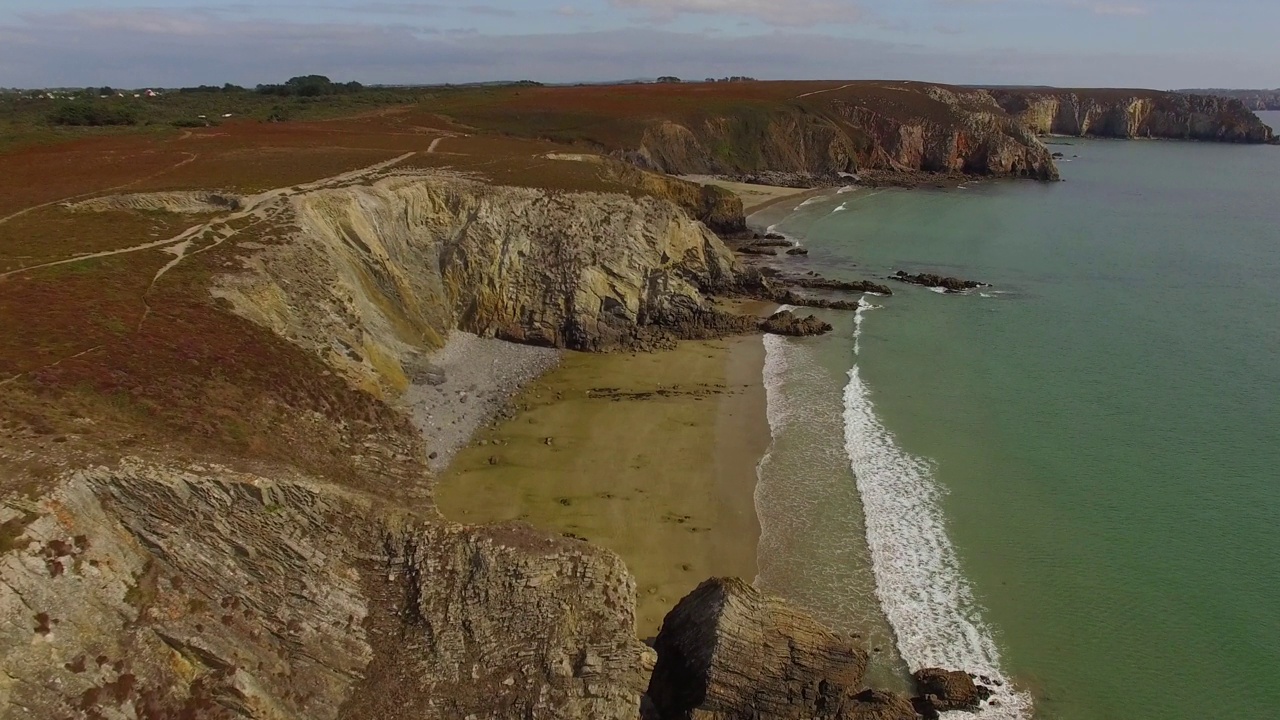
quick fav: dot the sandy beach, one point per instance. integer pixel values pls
(650, 455)
(754, 197)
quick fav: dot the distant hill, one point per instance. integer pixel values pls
(1252, 99)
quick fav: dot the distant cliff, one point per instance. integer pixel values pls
(901, 127)
(1134, 114)
(1252, 99)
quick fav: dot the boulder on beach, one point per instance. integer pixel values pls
(728, 652)
(786, 322)
(798, 251)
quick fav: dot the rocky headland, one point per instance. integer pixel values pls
(898, 127)
(1129, 114)
(165, 585)
(157, 576)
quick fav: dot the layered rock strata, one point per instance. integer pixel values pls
(727, 652)
(376, 275)
(161, 591)
(899, 127)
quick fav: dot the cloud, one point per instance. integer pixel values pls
(793, 13)
(1097, 8)
(1122, 10)
(168, 49)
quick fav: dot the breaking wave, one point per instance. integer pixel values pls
(918, 580)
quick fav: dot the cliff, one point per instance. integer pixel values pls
(1134, 114)
(1253, 99)
(901, 128)
(157, 591)
(376, 275)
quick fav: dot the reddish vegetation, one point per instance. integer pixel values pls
(192, 373)
(76, 345)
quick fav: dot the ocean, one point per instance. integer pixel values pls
(1068, 481)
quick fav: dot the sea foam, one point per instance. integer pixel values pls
(921, 589)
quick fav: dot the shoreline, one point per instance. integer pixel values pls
(651, 455)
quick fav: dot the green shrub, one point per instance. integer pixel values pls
(92, 114)
(279, 113)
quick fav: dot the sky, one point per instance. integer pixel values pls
(1162, 44)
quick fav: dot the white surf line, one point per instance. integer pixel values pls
(819, 92)
(774, 376)
(919, 582)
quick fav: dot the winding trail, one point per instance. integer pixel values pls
(258, 207)
(254, 206)
(191, 157)
(55, 363)
(819, 92)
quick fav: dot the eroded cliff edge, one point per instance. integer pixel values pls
(1135, 114)
(376, 275)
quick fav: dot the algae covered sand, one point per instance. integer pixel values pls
(650, 455)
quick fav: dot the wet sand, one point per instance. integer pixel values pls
(650, 455)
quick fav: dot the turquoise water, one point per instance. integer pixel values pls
(1069, 480)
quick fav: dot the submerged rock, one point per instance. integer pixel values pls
(878, 705)
(788, 323)
(855, 286)
(791, 298)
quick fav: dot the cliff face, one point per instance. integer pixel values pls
(376, 274)
(155, 591)
(905, 129)
(1253, 99)
(1135, 114)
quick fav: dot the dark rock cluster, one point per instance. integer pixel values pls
(950, 284)
(788, 323)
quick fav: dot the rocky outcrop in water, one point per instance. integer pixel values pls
(946, 690)
(790, 297)
(950, 284)
(786, 322)
(1134, 114)
(726, 652)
